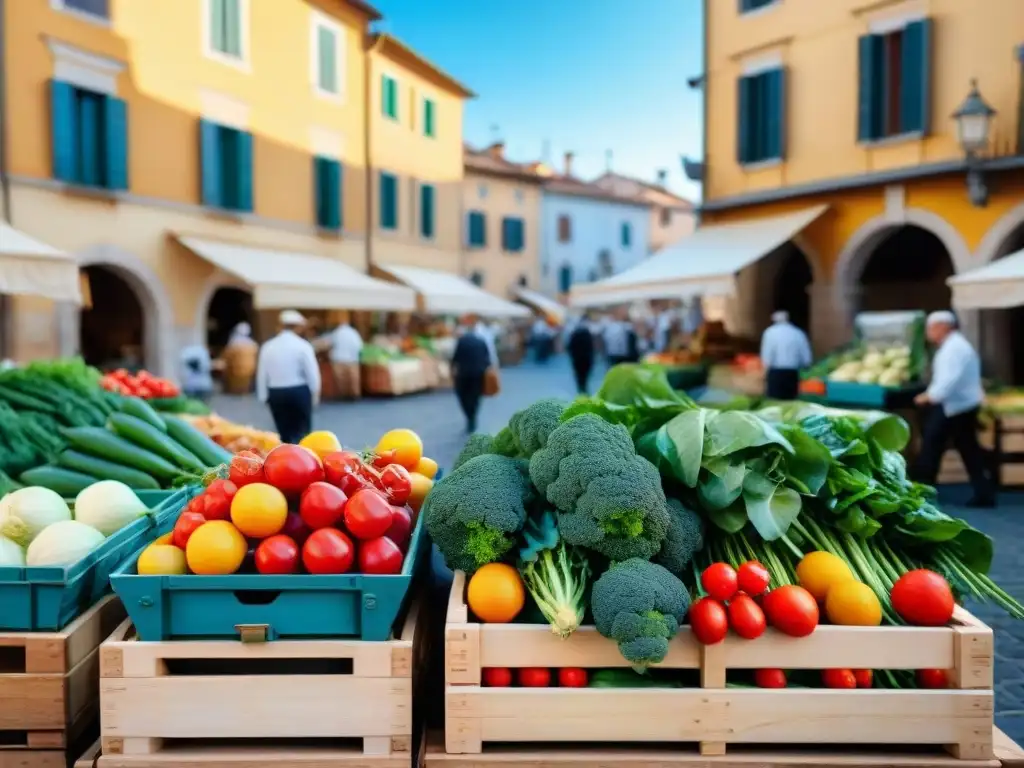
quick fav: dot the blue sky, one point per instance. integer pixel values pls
(586, 76)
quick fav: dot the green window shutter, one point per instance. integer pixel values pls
(328, 60)
(871, 87)
(389, 97)
(115, 126)
(388, 201)
(428, 118)
(337, 175)
(210, 164)
(774, 110)
(328, 192)
(232, 27)
(90, 139)
(64, 130)
(243, 171)
(427, 210)
(915, 67)
(320, 190)
(745, 149)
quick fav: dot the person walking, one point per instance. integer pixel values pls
(239, 358)
(288, 378)
(346, 344)
(616, 338)
(196, 372)
(785, 349)
(474, 354)
(581, 353)
(952, 402)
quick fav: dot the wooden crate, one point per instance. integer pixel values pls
(49, 681)
(713, 716)
(81, 754)
(289, 701)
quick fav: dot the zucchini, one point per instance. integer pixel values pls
(96, 441)
(152, 439)
(207, 451)
(140, 409)
(65, 482)
(20, 401)
(107, 470)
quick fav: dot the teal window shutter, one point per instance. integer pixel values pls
(64, 130)
(90, 139)
(388, 201)
(217, 25)
(243, 171)
(115, 124)
(428, 118)
(477, 228)
(774, 109)
(626, 234)
(506, 234)
(328, 60)
(328, 192)
(210, 164)
(427, 210)
(232, 36)
(915, 70)
(337, 175)
(389, 97)
(871, 87)
(520, 235)
(745, 119)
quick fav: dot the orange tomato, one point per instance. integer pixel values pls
(215, 548)
(496, 594)
(426, 467)
(420, 488)
(321, 443)
(165, 539)
(259, 510)
(406, 444)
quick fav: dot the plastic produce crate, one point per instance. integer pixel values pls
(46, 599)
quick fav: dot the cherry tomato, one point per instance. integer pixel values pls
(708, 621)
(397, 483)
(380, 556)
(400, 531)
(769, 678)
(746, 617)
(196, 504)
(382, 459)
(572, 677)
(367, 514)
(864, 677)
(223, 487)
(923, 598)
(932, 678)
(534, 677)
(322, 505)
(295, 528)
(719, 581)
(341, 469)
(292, 469)
(278, 554)
(838, 678)
(752, 578)
(246, 467)
(497, 677)
(185, 526)
(792, 610)
(328, 551)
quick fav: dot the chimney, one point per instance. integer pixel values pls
(662, 177)
(497, 150)
(568, 163)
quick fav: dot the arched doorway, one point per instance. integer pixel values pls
(228, 307)
(1002, 330)
(792, 287)
(906, 270)
(112, 331)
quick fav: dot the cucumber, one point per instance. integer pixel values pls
(96, 441)
(107, 470)
(152, 439)
(65, 482)
(140, 409)
(207, 451)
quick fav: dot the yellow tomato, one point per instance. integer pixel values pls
(406, 445)
(165, 539)
(215, 548)
(161, 560)
(420, 488)
(426, 467)
(853, 604)
(259, 510)
(321, 443)
(817, 572)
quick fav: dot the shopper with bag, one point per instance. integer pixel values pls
(474, 369)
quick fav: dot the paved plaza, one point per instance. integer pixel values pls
(437, 419)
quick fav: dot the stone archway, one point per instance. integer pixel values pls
(217, 281)
(1001, 331)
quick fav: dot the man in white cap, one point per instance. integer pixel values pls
(953, 400)
(288, 378)
(785, 349)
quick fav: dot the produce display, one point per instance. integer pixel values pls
(142, 384)
(1004, 402)
(234, 437)
(645, 515)
(311, 508)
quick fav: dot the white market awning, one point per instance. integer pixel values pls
(999, 285)
(443, 293)
(704, 264)
(31, 268)
(542, 303)
(285, 279)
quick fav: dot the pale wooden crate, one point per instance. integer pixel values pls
(49, 681)
(218, 702)
(714, 716)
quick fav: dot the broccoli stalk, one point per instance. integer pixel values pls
(555, 574)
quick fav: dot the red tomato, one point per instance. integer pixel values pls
(322, 505)
(278, 554)
(224, 487)
(746, 617)
(572, 677)
(497, 677)
(216, 507)
(328, 551)
(838, 678)
(719, 581)
(380, 556)
(367, 514)
(932, 678)
(196, 504)
(708, 621)
(752, 578)
(864, 677)
(923, 598)
(400, 531)
(292, 469)
(295, 528)
(183, 528)
(384, 458)
(792, 610)
(397, 483)
(341, 469)
(246, 468)
(534, 677)
(769, 678)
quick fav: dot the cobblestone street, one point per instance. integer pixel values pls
(437, 419)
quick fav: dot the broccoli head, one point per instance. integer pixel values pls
(640, 606)
(609, 499)
(478, 444)
(531, 426)
(684, 539)
(505, 443)
(474, 513)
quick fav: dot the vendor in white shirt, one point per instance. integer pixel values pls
(346, 344)
(288, 378)
(953, 400)
(785, 349)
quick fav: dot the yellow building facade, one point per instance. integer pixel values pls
(849, 105)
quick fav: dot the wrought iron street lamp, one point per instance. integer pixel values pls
(974, 123)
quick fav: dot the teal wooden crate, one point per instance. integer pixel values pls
(851, 393)
(43, 599)
(296, 606)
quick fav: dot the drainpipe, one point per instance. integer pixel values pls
(5, 185)
(704, 121)
(368, 50)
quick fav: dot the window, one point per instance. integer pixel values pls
(427, 210)
(518, 194)
(565, 278)
(626, 236)
(389, 97)
(666, 217)
(605, 268)
(328, 57)
(895, 82)
(327, 176)
(481, 191)
(477, 224)
(753, 5)
(429, 110)
(523, 281)
(90, 137)
(97, 9)
(388, 201)
(477, 278)
(513, 234)
(225, 28)
(762, 115)
(226, 157)
(564, 229)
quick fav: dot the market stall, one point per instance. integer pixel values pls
(31, 268)
(543, 305)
